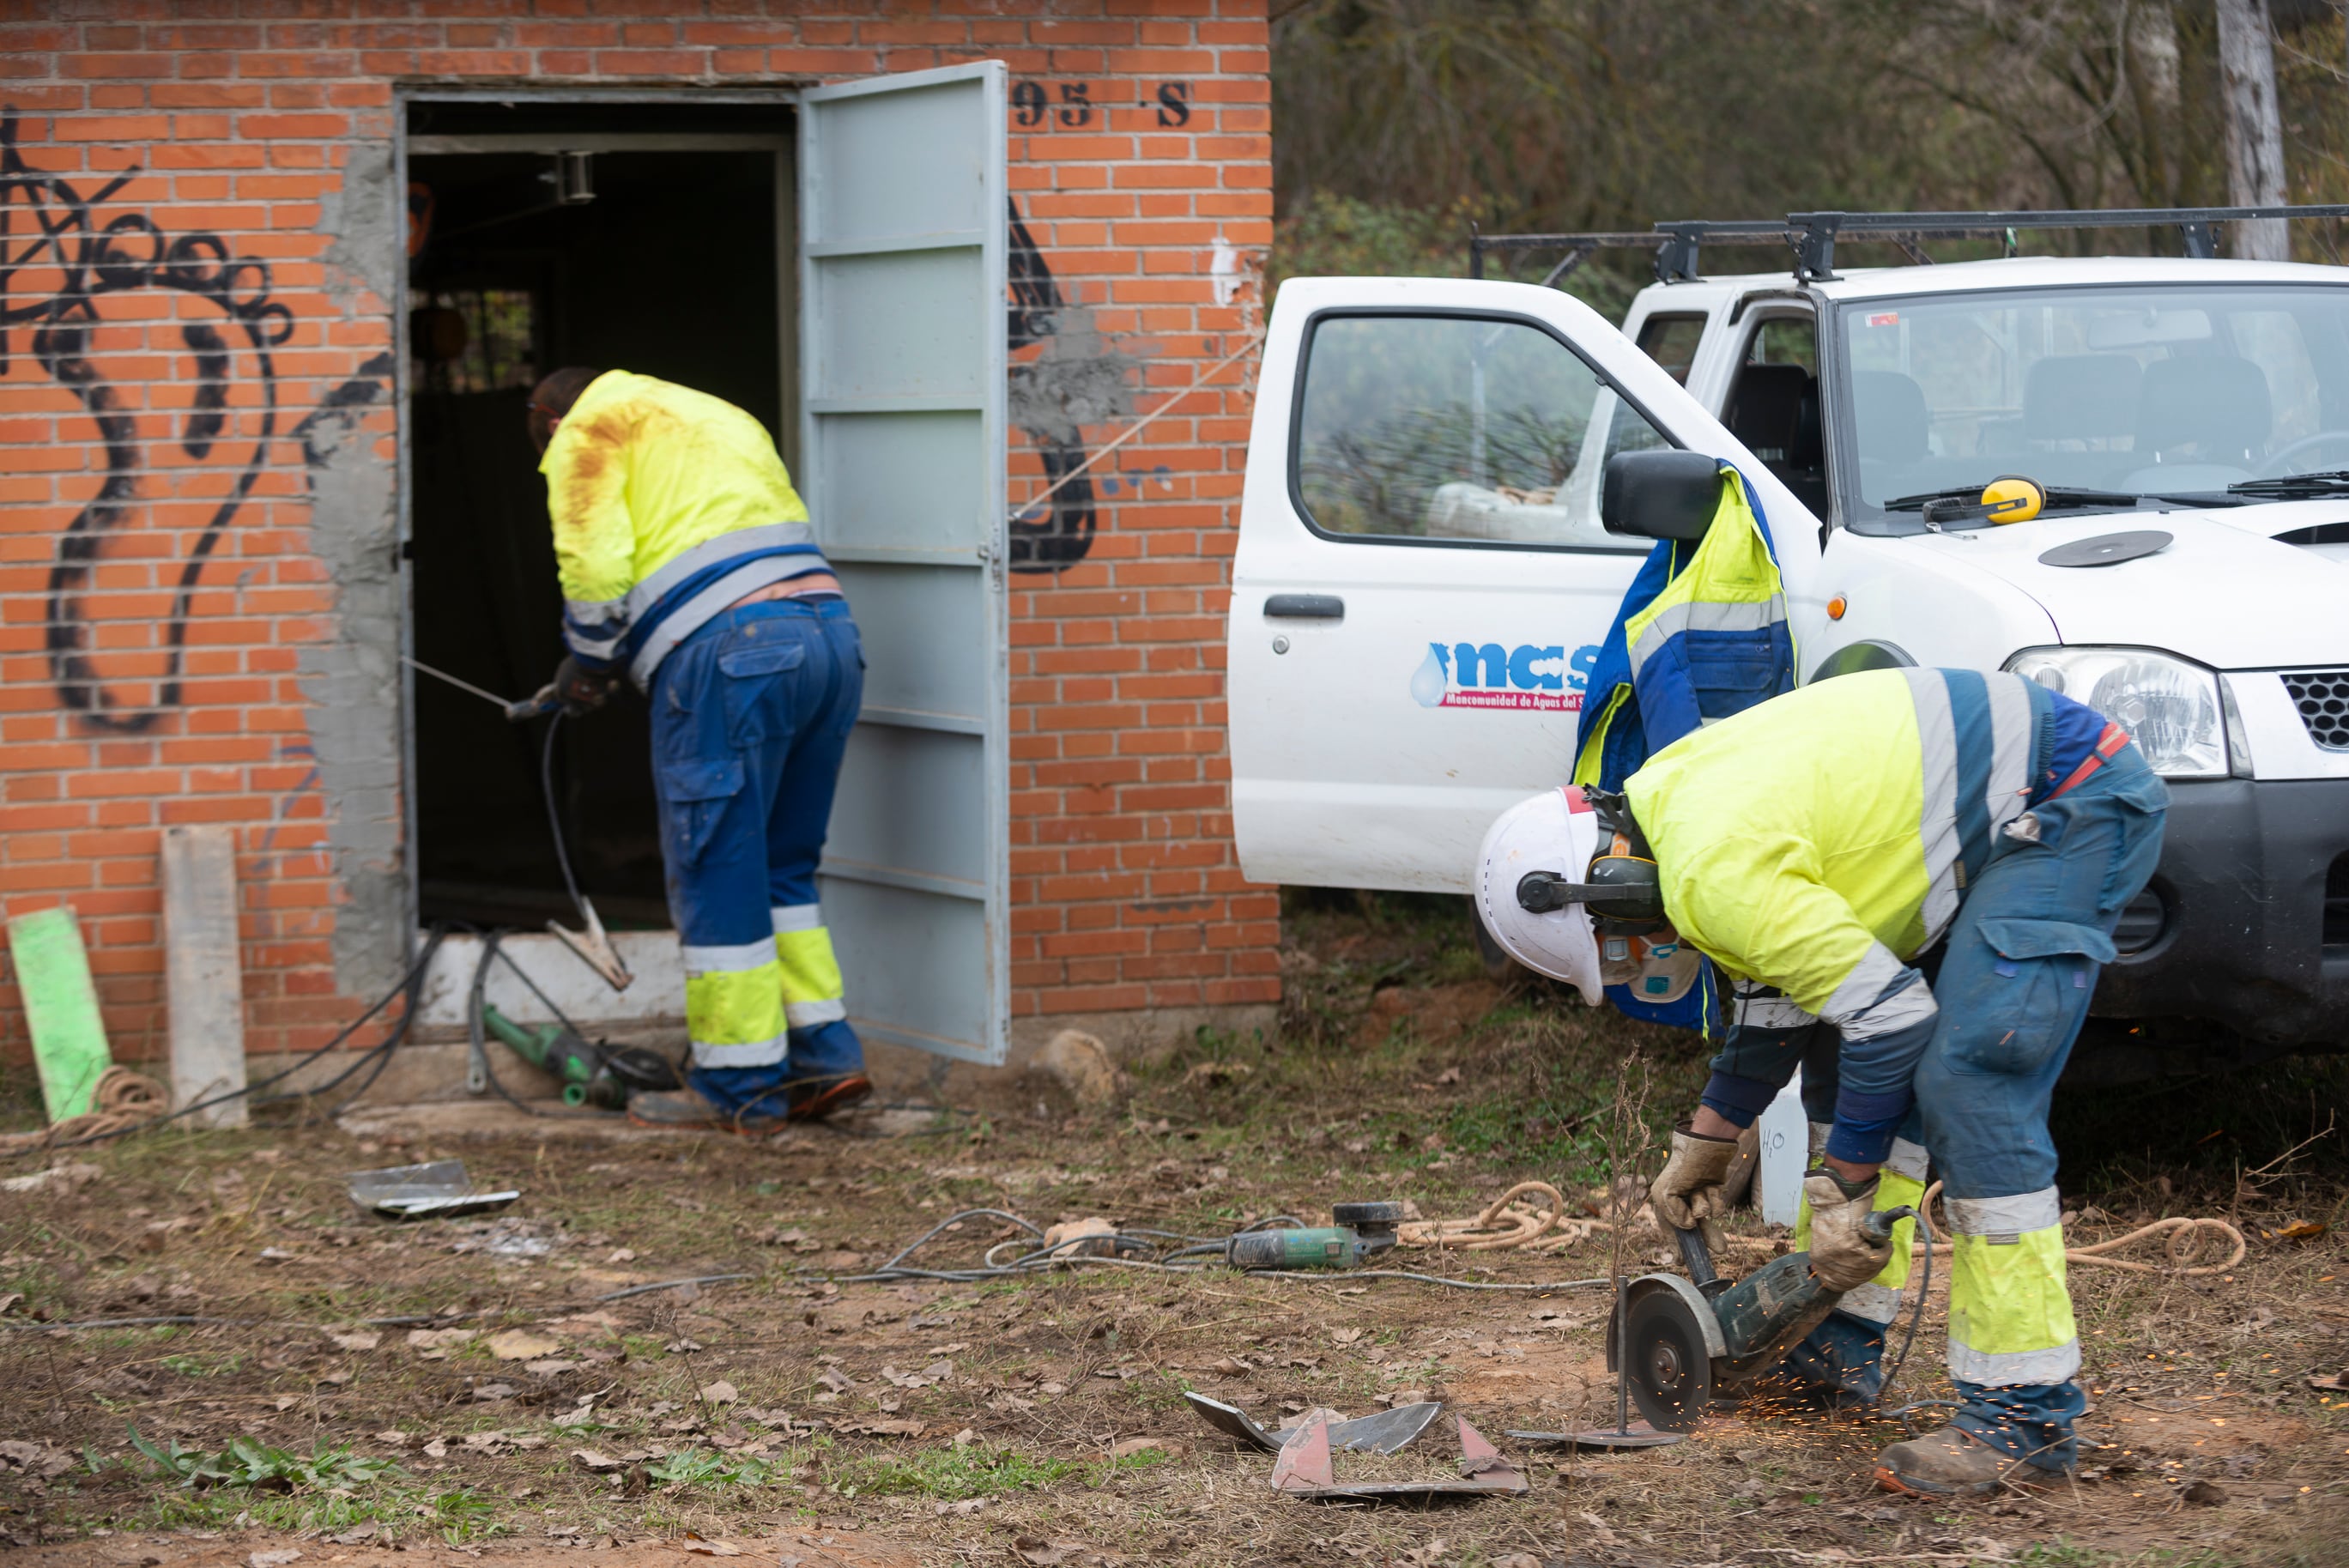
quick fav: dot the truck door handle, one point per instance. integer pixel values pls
(1306, 606)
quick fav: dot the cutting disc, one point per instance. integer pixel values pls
(1663, 1349)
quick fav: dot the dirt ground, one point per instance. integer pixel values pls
(368, 1393)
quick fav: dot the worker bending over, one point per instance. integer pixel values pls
(1910, 878)
(687, 564)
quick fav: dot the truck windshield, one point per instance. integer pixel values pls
(2146, 390)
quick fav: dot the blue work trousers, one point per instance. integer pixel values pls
(750, 718)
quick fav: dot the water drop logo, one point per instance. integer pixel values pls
(1528, 676)
(1434, 678)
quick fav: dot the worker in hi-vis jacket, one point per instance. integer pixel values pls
(688, 564)
(1909, 879)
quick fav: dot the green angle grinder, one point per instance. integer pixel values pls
(1361, 1231)
(590, 1073)
(1683, 1341)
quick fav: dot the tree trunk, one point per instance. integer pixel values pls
(2254, 127)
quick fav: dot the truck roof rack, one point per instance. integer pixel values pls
(1813, 235)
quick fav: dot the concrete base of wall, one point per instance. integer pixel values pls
(431, 1065)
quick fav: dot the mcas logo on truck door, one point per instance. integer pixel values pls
(1486, 675)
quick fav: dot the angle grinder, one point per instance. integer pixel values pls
(1687, 1340)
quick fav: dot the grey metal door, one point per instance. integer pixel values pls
(903, 360)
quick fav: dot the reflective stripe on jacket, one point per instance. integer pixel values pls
(1702, 634)
(668, 505)
(1818, 842)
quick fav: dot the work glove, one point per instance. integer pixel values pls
(1841, 1253)
(581, 692)
(1690, 1188)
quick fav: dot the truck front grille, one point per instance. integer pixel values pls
(2323, 698)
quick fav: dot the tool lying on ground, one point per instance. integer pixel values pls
(1174, 1254)
(1362, 1231)
(593, 948)
(1680, 1342)
(589, 1072)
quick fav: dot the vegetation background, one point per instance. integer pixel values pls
(1401, 122)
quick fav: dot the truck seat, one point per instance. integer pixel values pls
(2210, 410)
(2081, 397)
(1774, 410)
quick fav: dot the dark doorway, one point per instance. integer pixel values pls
(669, 270)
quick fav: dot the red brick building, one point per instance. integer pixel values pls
(272, 275)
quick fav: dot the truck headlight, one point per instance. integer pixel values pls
(2170, 707)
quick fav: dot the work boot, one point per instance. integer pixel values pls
(688, 1111)
(815, 1099)
(1950, 1462)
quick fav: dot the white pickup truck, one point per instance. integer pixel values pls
(1423, 579)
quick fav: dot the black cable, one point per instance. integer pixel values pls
(380, 1053)
(413, 975)
(553, 817)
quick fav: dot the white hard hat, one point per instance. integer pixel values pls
(1555, 831)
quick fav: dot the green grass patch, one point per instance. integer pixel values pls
(710, 1469)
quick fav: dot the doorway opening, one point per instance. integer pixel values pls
(649, 237)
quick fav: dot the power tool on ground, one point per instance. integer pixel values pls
(590, 1074)
(1361, 1230)
(1685, 1341)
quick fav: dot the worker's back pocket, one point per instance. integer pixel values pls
(772, 659)
(2022, 994)
(694, 792)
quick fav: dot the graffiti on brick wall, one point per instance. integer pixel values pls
(1074, 377)
(62, 258)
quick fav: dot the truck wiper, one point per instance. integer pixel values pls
(2285, 486)
(1970, 495)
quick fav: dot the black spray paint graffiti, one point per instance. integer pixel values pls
(1076, 378)
(57, 263)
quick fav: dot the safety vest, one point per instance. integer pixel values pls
(1819, 843)
(1701, 635)
(668, 505)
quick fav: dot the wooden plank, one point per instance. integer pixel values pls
(60, 1008)
(204, 974)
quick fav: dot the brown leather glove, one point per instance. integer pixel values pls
(1688, 1187)
(1841, 1254)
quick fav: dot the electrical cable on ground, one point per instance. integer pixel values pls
(1062, 1254)
(407, 983)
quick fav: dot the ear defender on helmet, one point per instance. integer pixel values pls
(1624, 893)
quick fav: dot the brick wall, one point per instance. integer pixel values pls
(196, 380)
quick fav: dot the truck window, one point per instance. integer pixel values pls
(1453, 427)
(1670, 341)
(2165, 389)
(1773, 406)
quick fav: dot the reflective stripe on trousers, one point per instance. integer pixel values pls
(812, 991)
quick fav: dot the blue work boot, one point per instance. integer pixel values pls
(825, 1070)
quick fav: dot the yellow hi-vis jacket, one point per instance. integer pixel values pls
(668, 505)
(1818, 841)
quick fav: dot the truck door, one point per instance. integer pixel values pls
(903, 360)
(1423, 582)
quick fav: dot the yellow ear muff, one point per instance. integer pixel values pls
(2013, 499)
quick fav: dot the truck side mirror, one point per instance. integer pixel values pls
(1659, 494)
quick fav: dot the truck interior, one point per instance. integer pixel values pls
(645, 237)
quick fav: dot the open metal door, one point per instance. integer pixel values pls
(902, 368)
